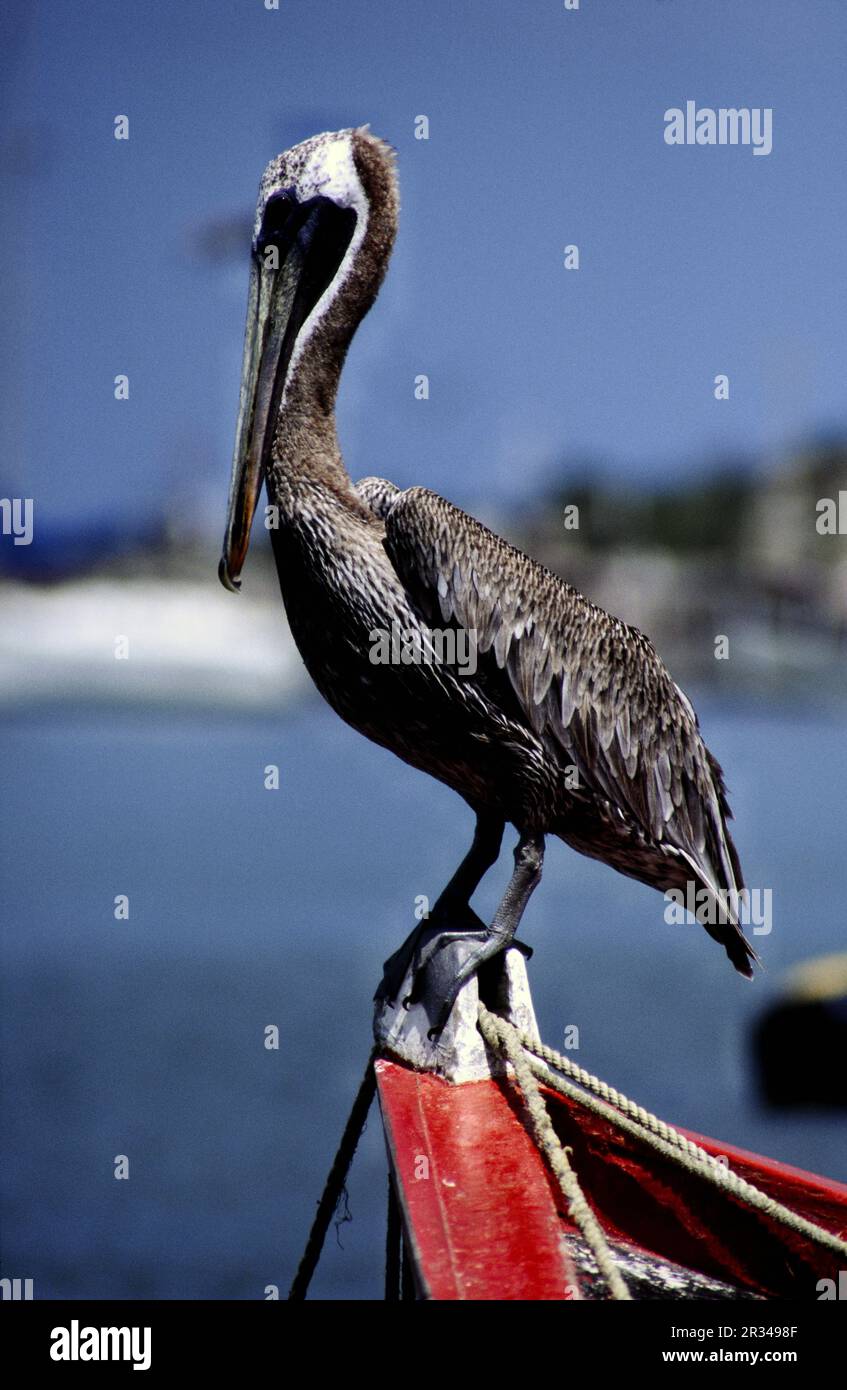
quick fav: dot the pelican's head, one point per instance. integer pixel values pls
(316, 263)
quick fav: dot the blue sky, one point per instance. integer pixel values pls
(546, 128)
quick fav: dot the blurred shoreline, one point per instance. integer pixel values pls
(134, 617)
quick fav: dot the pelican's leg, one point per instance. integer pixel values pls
(452, 914)
(449, 969)
(483, 853)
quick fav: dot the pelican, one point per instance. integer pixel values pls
(568, 725)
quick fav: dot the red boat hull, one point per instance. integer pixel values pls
(484, 1219)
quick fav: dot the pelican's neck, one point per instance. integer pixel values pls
(305, 442)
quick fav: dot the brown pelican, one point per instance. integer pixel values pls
(570, 724)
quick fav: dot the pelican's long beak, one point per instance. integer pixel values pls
(309, 241)
(267, 350)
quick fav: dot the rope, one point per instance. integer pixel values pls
(501, 1036)
(633, 1119)
(335, 1182)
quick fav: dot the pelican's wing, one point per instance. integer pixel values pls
(589, 686)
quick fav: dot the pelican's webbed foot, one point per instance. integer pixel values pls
(405, 973)
(423, 979)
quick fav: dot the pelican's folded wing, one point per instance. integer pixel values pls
(591, 688)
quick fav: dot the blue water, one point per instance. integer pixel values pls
(251, 907)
